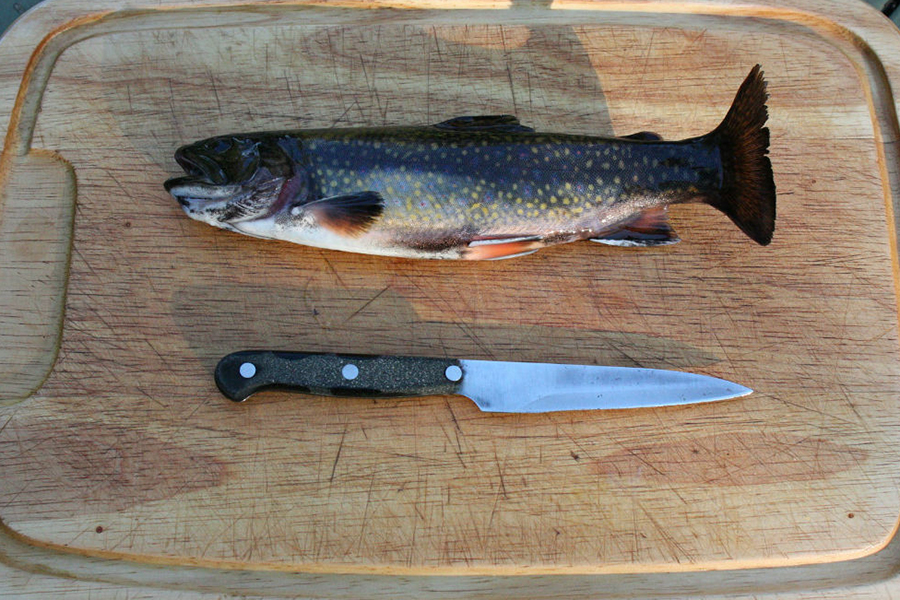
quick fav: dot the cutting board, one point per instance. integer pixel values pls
(116, 445)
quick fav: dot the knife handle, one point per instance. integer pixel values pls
(241, 374)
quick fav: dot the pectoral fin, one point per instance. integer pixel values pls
(508, 123)
(649, 228)
(349, 215)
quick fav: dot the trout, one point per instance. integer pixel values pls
(484, 187)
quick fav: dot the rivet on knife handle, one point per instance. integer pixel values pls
(241, 374)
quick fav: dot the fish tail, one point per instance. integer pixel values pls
(747, 194)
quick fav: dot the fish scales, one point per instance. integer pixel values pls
(478, 187)
(501, 183)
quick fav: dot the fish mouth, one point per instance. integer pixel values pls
(193, 191)
(204, 181)
(198, 165)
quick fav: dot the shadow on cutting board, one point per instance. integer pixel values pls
(320, 321)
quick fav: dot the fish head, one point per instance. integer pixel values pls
(234, 178)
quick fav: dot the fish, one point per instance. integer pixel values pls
(478, 187)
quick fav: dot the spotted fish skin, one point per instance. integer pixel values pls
(478, 187)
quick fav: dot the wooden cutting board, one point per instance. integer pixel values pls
(115, 443)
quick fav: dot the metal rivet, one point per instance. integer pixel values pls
(453, 373)
(248, 370)
(350, 371)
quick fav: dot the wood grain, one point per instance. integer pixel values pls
(127, 450)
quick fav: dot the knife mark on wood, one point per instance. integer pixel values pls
(733, 459)
(337, 456)
(97, 467)
(366, 304)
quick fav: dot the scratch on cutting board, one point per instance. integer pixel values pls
(337, 456)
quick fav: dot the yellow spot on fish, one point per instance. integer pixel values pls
(568, 186)
(655, 162)
(566, 201)
(552, 199)
(475, 195)
(359, 182)
(543, 206)
(518, 201)
(534, 149)
(520, 212)
(621, 164)
(555, 153)
(617, 180)
(605, 165)
(634, 178)
(389, 190)
(578, 210)
(566, 151)
(589, 163)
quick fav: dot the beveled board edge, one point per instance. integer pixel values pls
(866, 38)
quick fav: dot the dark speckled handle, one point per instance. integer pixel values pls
(241, 374)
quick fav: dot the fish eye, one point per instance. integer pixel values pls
(222, 145)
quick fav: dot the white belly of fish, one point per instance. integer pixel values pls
(371, 242)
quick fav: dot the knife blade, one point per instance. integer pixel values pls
(495, 386)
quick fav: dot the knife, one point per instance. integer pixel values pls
(495, 386)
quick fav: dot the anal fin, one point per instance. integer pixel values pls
(648, 228)
(502, 247)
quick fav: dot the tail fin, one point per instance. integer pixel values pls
(748, 189)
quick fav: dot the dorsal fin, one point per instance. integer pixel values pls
(349, 215)
(648, 228)
(644, 136)
(508, 123)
